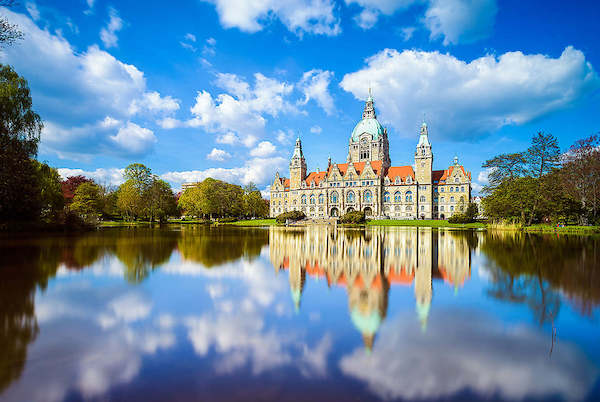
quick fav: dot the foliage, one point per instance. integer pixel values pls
(50, 192)
(161, 201)
(502, 168)
(9, 33)
(87, 202)
(430, 223)
(468, 216)
(354, 217)
(130, 201)
(216, 198)
(70, 184)
(290, 216)
(20, 129)
(254, 204)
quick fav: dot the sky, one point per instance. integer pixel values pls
(221, 88)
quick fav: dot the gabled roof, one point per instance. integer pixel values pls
(315, 177)
(358, 166)
(442, 175)
(400, 171)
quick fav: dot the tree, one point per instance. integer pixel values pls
(140, 175)
(87, 202)
(50, 191)
(9, 33)
(189, 202)
(542, 157)
(161, 200)
(70, 184)
(20, 129)
(504, 167)
(581, 176)
(130, 202)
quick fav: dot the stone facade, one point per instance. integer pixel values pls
(367, 181)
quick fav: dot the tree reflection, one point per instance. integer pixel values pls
(534, 269)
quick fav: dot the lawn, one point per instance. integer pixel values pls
(424, 223)
(253, 222)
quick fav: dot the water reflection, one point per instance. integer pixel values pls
(114, 313)
(367, 262)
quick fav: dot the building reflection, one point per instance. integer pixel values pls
(368, 262)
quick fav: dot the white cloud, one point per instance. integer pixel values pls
(467, 99)
(299, 16)
(33, 10)
(153, 102)
(135, 139)
(407, 33)
(75, 90)
(484, 356)
(256, 170)
(367, 18)
(209, 47)
(315, 85)
(316, 129)
(111, 176)
(190, 37)
(372, 9)
(460, 21)
(108, 34)
(228, 138)
(218, 155)
(264, 148)
(284, 137)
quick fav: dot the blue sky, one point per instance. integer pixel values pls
(221, 88)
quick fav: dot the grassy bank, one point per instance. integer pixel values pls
(253, 222)
(565, 229)
(424, 223)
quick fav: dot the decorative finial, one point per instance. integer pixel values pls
(456, 160)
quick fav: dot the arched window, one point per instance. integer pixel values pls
(321, 199)
(456, 189)
(386, 197)
(422, 207)
(295, 202)
(303, 199)
(451, 207)
(350, 197)
(451, 199)
(368, 196)
(456, 180)
(443, 199)
(462, 189)
(334, 197)
(312, 199)
(409, 196)
(422, 198)
(397, 196)
(441, 208)
(451, 189)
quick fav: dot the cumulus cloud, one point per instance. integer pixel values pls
(75, 90)
(315, 85)
(284, 137)
(476, 354)
(407, 33)
(299, 16)
(264, 148)
(316, 129)
(468, 99)
(460, 21)
(255, 170)
(135, 139)
(372, 9)
(108, 34)
(238, 114)
(111, 176)
(218, 155)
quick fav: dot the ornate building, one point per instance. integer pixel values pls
(368, 182)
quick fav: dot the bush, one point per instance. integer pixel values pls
(291, 215)
(460, 218)
(353, 217)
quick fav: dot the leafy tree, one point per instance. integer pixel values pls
(70, 184)
(581, 176)
(542, 157)
(9, 33)
(254, 204)
(504, 167)
(20, 129)
(189, 202)
(130, 201)
(109, 196)
(140, 175)
(50, 191)
(161, 200)
(87, 202)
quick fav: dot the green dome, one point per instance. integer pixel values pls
(367, 125)
(366, 324)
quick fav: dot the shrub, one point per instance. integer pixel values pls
(353, 217)
(291, 215)
(460, 218)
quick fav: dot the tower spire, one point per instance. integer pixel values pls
(369, 111)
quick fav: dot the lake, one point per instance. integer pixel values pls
(316, 313)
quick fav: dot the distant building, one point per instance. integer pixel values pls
(367, 181)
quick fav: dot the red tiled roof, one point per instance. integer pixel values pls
(358, 166)
(315, 177)
(402, 171)
(442, 175)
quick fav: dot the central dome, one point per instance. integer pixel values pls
(367, 125)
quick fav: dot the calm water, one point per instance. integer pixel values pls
(197, 313)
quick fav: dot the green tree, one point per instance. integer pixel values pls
(9, 33)
(161, 200)
(130, 201)
(87, 202)
(50, 191)
(140, 175)
(20, 129)
(504, 167)
(189, 202)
